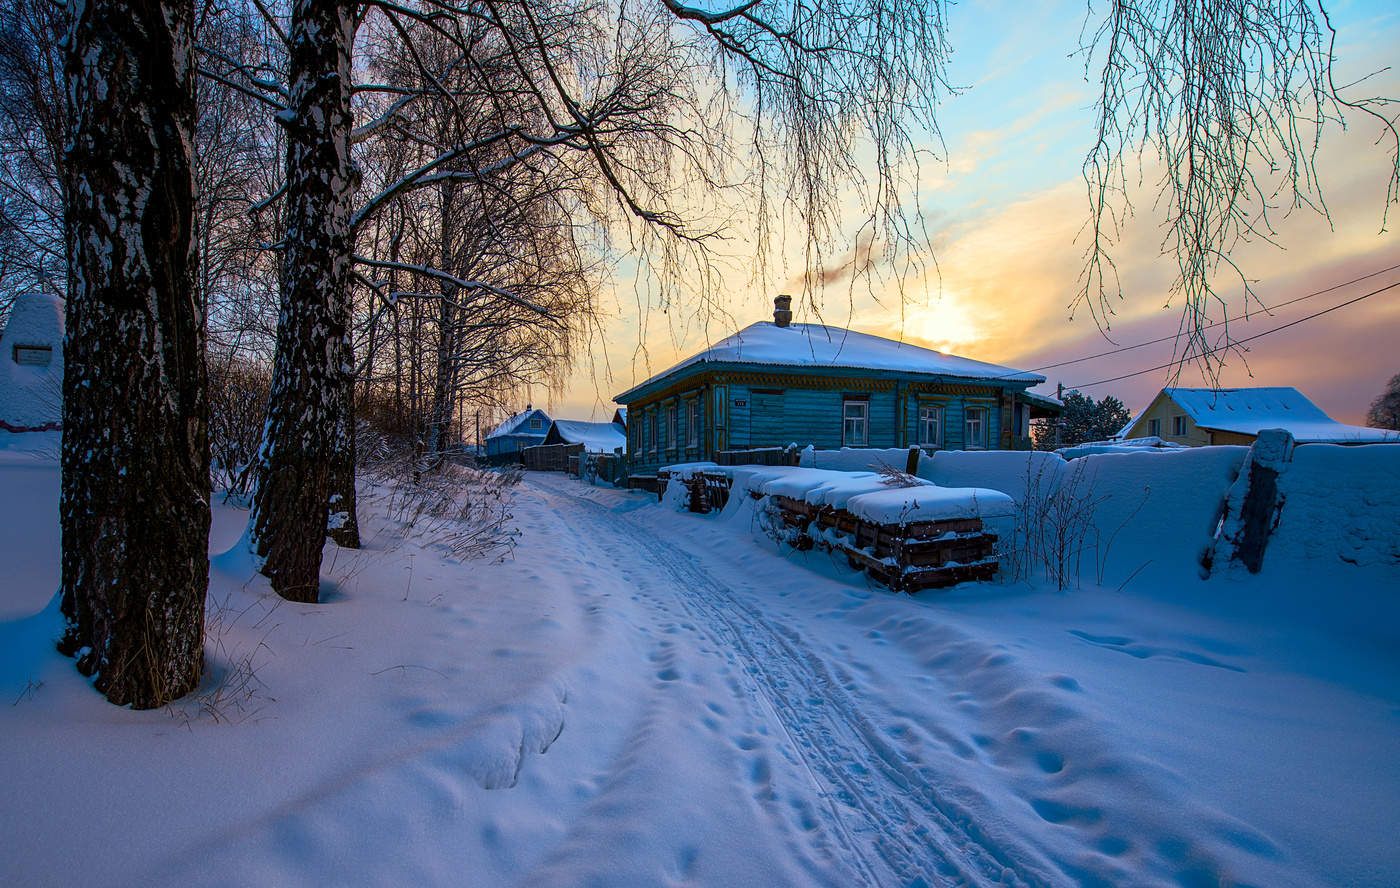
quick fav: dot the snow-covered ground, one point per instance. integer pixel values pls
(648, 697)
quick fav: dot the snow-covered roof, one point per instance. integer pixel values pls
(596, 437)
(31, 379)
(1247, 411)
(513, 424)
(816, 345)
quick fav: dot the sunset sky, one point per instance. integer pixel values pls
(1004, 206)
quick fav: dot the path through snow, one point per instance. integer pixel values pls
(644, 697)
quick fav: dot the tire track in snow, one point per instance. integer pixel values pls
(895, 826)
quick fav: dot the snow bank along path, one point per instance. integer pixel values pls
(645, 697)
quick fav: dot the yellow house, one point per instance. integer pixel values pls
(1197, 417)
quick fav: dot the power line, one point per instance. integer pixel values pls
(1239, 342)
(1243, 317)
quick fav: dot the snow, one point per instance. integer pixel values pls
(816, 345)
(904, 505)
(1148, 444)
(596, 437)
(855, 459)
(31, 396)
(1248, 411)
(650, 697)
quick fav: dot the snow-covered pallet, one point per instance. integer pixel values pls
(709, 491)
(907, 558)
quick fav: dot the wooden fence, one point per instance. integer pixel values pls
(760, 456)
(550, 457)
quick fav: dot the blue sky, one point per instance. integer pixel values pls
(1005, 202)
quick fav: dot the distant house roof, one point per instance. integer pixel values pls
(818, 346)
(515, 424)
(1248, 411)
(596, 437)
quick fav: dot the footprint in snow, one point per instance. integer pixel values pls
(1145, 651)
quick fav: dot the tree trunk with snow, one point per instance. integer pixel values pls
(135, 498)
(311, 369)
(342, 524)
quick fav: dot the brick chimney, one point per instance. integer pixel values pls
(782, 310)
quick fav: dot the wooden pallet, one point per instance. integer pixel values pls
(709, 491)
(923, 555)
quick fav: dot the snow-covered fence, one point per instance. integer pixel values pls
(855, 459)
(1107, 516)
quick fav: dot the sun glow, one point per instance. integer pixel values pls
(944, 323)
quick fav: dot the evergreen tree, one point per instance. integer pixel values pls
(1084, 419)
(1385, 410)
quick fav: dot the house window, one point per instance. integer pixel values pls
(976, 428)
(536, 423)
(656, 442)
(692, 422)
(671, 426)
(1022, 419)
(1179, 426)
(931, 426)
(1154, 428)
(855, 423)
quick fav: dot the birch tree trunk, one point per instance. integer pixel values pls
(134, 509)
(310, 370)
(342, 523)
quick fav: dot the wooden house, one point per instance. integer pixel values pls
(1198, 417)
(776, 383)
(524, 429)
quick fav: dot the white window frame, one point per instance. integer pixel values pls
(931, 414)
(655, 441)
(671, 427)
(977, 427)
(1179, 426)
(692, 422)
(851, 421)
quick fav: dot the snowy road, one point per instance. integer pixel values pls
(878, 813)
(645, 697)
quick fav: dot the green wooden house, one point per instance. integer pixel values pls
(779, 383)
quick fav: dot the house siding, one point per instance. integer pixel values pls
(1164, 409)
(769, 408)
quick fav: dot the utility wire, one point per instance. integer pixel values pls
(1243, 317)
(1238, 342)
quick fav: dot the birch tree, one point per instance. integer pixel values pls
(135, 459)
(792, 112)
(311, 370)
